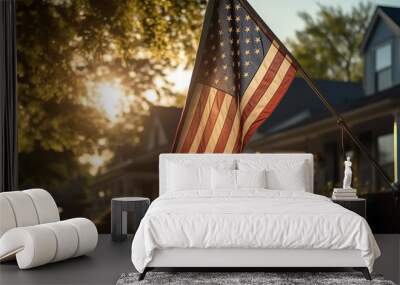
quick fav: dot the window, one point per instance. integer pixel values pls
(386, 157)
(385, 149)
(383, 67)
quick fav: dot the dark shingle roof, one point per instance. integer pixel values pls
(300, 104)
(392, 12)
(169, 118)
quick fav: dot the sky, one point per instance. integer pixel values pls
(281, 15)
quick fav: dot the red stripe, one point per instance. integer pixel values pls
(194, 124)
(272, 104)
(268, 78)
(212, 119)
(238, 144)
(227, 127)
(181, 123)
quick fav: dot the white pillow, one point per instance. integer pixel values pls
(183, 178)
(223, 179)
(251, 178)
(281, 174)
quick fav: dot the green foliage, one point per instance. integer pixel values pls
(63, 45)
(329, 45)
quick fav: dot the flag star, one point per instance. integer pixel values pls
(231, 41)
(226, 78)
(246, 74)
(228, 6)
(247, 17)
(257, 28)
(247, 40)
(247, 29)
(214, 58)
(237, 7)
(216, 81)
(230, 29)
(232, 53)
(247, 63)
(215, 70)
(225, 66)
(220, 32)
(238, 41)
(223, 55)
(221, 44)
(213, 47)
(257, 51)
(258, 40)
(237, 19)
(229, 18)
(238, 30)
(238, 52)
(247, 52)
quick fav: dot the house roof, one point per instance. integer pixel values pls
(392, 12)
(300, 104)
(391, 15)
(341, 106)
(169, 119)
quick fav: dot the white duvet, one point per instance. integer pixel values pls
(250, 219)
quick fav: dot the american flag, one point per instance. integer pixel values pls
(241, 74)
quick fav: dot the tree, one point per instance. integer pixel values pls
(64, 46)
(329, 45)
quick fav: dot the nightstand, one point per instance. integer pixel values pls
(137, 206)
(357, 205)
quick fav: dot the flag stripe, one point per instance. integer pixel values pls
(216, 111)
(231, 144)
(259, 75)
(269, 77)
(189, 116)
(266, 96)
(270, 107)
(202, 120)
(219, 124)
(195, 122)
(228, 122)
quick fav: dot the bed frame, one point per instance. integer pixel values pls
(245, 259)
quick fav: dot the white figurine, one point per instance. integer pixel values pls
(347, 174)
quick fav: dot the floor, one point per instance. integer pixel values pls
(110, 260)
(103, 266)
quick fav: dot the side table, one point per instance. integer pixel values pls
(357, 205)
(119, 209)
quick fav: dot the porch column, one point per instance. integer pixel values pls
(396, 151)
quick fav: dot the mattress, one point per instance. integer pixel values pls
(250, 219)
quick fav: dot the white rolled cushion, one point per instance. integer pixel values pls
(45, 205)
(7, 218)
(223, 179)
(33, 246)
(251, 178)
(67, 239)
(87, 235)
(37, 245)
(23, 208)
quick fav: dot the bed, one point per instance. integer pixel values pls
(247, 211)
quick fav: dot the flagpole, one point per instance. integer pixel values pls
(339, 119)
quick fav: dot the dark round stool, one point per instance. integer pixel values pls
(119, 211)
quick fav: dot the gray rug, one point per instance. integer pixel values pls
(269, 278)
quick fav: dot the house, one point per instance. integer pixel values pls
(302, 124)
